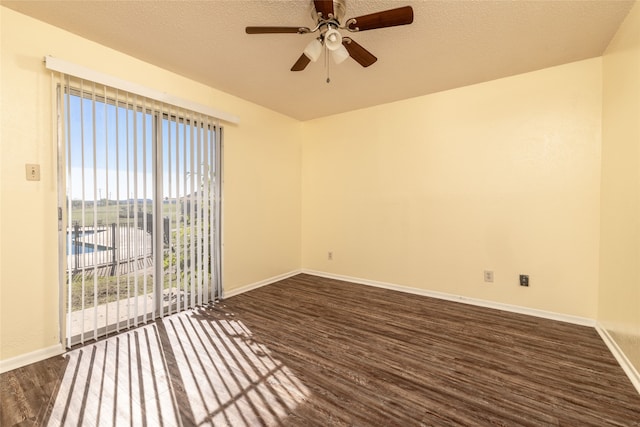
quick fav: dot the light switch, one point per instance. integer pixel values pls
(33, 172)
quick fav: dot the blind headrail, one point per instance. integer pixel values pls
(62, 66)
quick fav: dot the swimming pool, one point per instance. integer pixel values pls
(76, 247)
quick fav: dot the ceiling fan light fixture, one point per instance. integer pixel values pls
(313, 50)
(333, 39)
(340, 54)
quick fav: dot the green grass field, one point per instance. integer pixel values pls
(112, 288)
(122, 214)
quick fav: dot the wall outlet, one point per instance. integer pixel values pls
(524, 280)
(330, 256)
(488, 276)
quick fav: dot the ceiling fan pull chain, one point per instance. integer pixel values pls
(327, 62)
(328, 68)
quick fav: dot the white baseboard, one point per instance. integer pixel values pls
(583, 321)
(251, 286)
(622, 359)
(28, 358)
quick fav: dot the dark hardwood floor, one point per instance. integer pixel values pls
(309, 351)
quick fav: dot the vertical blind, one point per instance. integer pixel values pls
(140, 190)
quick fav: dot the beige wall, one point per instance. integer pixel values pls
(429, 192)
(619, 309)
(261, 164)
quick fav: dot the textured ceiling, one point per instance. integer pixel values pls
(451, 43)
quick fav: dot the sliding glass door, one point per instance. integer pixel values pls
(140, 214)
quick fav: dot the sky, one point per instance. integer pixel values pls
(114, 158)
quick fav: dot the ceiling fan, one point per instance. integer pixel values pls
(329, 15)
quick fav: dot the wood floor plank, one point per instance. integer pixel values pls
(309, 351)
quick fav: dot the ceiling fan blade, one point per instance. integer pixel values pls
(277, 30)
(325, 7)
(301, 63)
(361, 55)
(387, 18)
